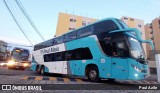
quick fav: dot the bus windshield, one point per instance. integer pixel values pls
(24, 56)
(124, 25)
(20, 56)
(136, 49)
(15, 56)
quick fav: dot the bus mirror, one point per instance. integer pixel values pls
(149, 42)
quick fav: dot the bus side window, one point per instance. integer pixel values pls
(57, 40)
(105, 26)
(83, 53)
(47, 58)
(70, 36)
(86, 53)
(57, 56)
(70, 55)
(78, 54)
(85, 31)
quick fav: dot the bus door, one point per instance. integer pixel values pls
(119, 60)
(75, 65)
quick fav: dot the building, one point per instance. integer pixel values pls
(3, 49)
(136, 23)
(153, 32)
(67, 22)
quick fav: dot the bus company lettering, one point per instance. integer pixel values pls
(49, 50)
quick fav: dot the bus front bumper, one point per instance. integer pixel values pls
(18, 65)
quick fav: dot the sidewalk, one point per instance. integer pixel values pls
(152, 77)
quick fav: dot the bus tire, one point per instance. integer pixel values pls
(42, 69)
(93, 74)
(37, 68)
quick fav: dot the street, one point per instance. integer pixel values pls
(30, 77)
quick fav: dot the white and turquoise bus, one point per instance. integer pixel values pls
(105, 49)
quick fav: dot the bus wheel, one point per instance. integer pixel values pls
(93, 74)
(41, 72)
(37, 68)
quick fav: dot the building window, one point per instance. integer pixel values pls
(151, 32)
(139, 26)
(150, 25)
(125, 18)
(72, 20)
(84, 23)
(131, 19)
(152, 38)
(89, 23)
(71, 28)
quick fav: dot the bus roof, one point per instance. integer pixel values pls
(18, 48)
(111, 18)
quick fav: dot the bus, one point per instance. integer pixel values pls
(105, 49)
(19, 59)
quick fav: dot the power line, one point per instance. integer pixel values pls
(21, 19)
(28, 18)
(16, 21)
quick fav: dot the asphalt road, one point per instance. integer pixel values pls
(61, 84)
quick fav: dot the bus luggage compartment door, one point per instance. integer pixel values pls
(119, 68)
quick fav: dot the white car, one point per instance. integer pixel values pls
(3, 64)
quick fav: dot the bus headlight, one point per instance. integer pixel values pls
(10, 63)
(25, 64)
(136, 68)
(136, 75)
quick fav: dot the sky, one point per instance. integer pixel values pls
(44, 14)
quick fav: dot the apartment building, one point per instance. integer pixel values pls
(68, 22)
(3, 48)
(153, 32)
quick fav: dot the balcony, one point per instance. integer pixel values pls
(152, 37)
(151, 32)
(150, 25)
(159, 23)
